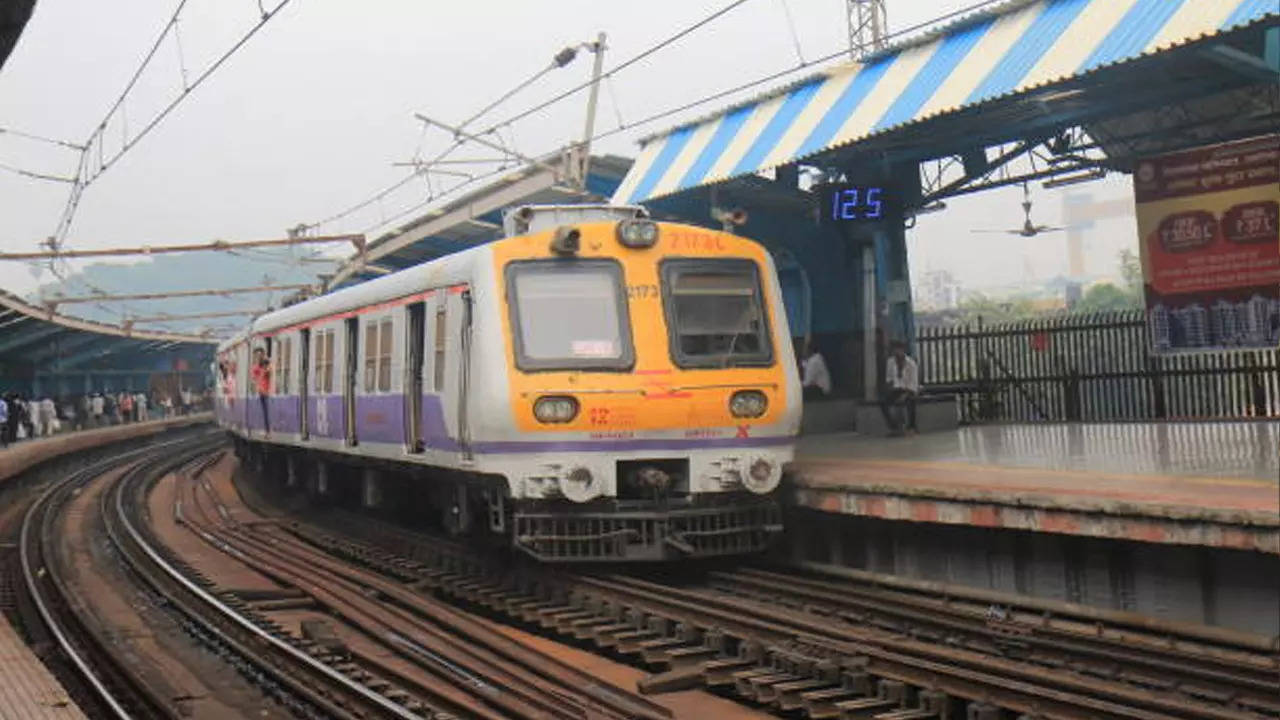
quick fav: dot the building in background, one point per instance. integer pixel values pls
(937, 290)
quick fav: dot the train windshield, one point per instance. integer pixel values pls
(715, 316)
(569, 314)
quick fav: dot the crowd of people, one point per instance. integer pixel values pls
(22, 417)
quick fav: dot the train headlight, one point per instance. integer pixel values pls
(555, 409)
(637, 234)
(748, 404)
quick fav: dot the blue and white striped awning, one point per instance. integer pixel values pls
(1023, 46)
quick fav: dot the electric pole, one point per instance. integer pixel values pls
(596, 70)
(868, 25)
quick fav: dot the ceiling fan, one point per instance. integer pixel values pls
(1028, 229)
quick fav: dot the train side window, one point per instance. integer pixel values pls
(328, 338)
(438, 362)
(370, 356)
(281, 367)
(323, 353)
(286, 363)
(384, 355)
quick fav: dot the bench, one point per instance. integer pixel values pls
(934, 411)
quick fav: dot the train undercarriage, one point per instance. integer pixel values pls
(654, 528)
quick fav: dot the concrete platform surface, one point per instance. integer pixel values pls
(1214, 484)
(23, 454)
(27, 690)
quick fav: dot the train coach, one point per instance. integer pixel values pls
(594, 386)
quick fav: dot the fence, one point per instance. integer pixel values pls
(1091, 367)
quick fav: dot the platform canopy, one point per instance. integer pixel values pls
(44, 352)
(982, 64)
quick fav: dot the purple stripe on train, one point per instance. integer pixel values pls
(380, 418)
(528, 446)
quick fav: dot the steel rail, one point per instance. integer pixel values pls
(920, 610)
(568, 604)
(230, 614)
(505, 664)
(27, 545)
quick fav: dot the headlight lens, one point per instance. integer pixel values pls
(748, 404)
(637, 233)
(555, 409)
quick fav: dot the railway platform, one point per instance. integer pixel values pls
(20, 456)
(1215, 484)
(28, 691)
(1178, 521)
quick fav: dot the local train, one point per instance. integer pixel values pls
(594, 386)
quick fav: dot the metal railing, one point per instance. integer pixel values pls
(1094, 367)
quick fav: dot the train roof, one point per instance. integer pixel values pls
(435, 273)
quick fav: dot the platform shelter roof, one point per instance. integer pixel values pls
(1010, 51)
(36, 342)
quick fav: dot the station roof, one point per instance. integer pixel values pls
(476, 217)
(985, 70)
(36, 341)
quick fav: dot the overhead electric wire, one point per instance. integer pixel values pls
(494, 129)
(721, 94)
(40, 138)
(791, 25)
(36, 175)
(621, 66)
(85, 176)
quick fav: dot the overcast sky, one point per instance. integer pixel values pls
(307, 118)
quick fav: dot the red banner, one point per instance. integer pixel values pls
(1209, 229)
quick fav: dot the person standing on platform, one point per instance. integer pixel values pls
(27, 418)
(4, 422)
(261, 373)
(126, 406)
(815, 378)
(902, 385)
(99, 407)
(48, 416)
(140, 407)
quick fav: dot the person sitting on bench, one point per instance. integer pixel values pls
(815, 379)
(902, 385)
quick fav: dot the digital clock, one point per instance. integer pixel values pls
(855, 203)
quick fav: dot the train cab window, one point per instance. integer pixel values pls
(569, 315)
(323, 353)
(714, 312)
(377, 355)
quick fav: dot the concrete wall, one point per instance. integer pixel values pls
(1211, 586)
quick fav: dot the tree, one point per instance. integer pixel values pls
(993, 311)
(1104, 297)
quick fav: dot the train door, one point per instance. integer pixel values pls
(304, 382)
(350, 347)
(414, 349)
(464, 372)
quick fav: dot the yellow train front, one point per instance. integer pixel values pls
(654, 397)
(595, 386)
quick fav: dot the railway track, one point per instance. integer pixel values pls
(829, 648)
(98, 677)
(83, 660)
(461, 666)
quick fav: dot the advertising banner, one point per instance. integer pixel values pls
(1209, 233)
